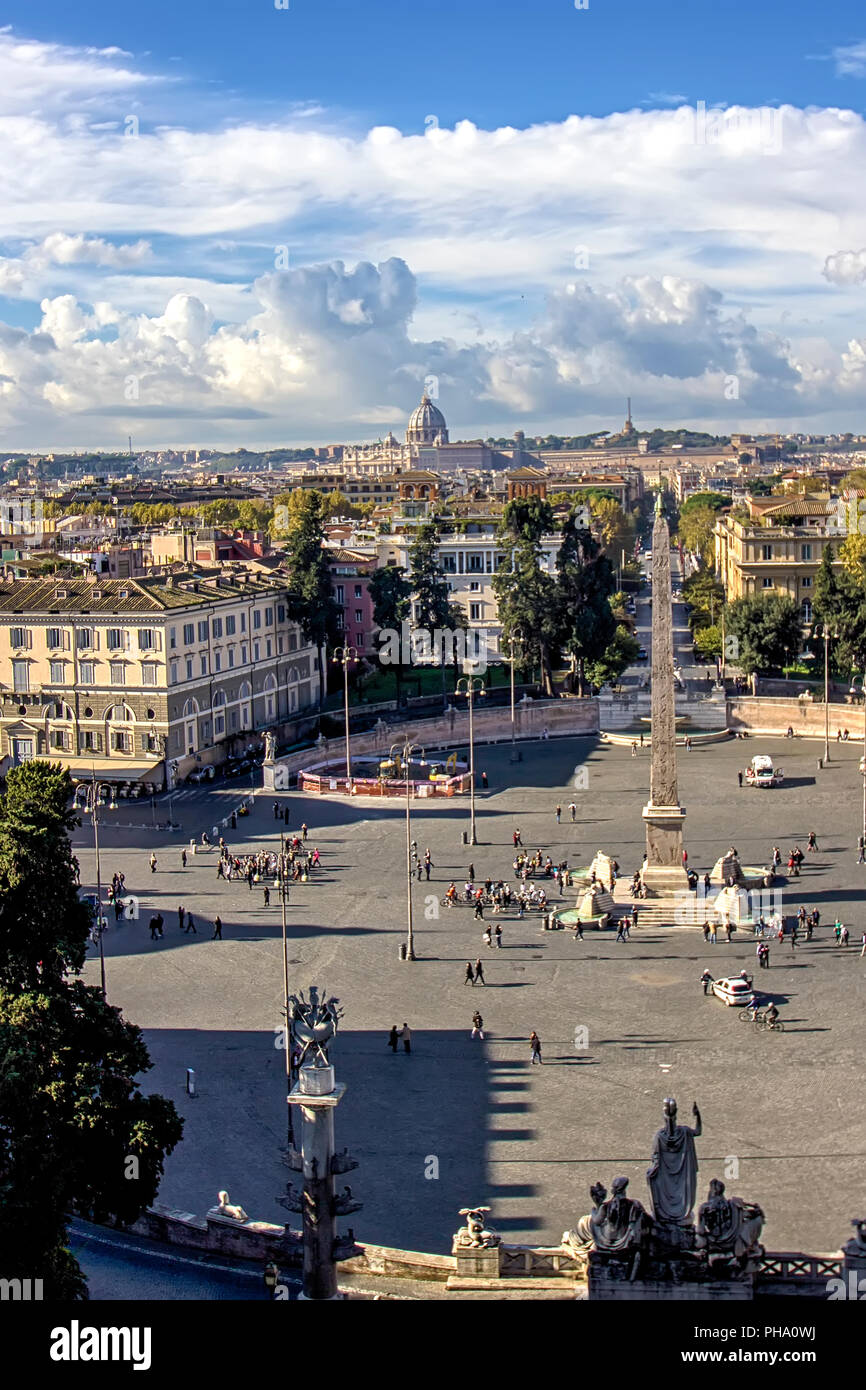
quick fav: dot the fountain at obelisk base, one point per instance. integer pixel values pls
(663, 873)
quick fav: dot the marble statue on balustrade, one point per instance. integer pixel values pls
(673, 1173)
(728, 1233)
(475, 1235)
(617, 1228)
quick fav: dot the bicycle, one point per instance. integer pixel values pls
(751, 1015)
(767, 1025)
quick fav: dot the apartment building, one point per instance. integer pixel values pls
(147, 677)
(350, 584)
(777, 548)
(468, 557)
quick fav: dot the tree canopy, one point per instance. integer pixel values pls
(76, 1132)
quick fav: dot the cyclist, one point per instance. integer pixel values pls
(451, 895)
(772, 1013)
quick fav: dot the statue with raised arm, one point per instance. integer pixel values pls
(673, 1171)
(270, 746)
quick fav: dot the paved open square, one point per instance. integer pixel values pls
(460, 1120)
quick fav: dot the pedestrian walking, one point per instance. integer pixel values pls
(706, 980)
(406, 1035)
(863, 944)
(470, 974)
(811, 843)
(516, 838)
(266, 892)
(706, 930)
(221, 869)
(153, 929)
(393, 1038)
(153, 863)
(479, 910)
(843, 940)
(285, 815)
(535, 1047)
(497, 932)
(477, 1026)
(685, 858)
(479, 972)
(740, 779)
(304, 831)
(578, 931)
(634, 748)
(180, 914)
(183, 859)
(217, 929)
(276, 810)
(471, 873)
(558, 814)
(713, 933)
(861, 847)
(572, 810)
(620, 931)
(484, 780)
(190, 925)
(837, 931)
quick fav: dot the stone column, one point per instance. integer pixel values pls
(317, 1095)
(663, 873)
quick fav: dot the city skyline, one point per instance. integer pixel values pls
(279, 240)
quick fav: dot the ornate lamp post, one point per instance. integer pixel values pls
(90, 806)
(284, 899)
(861, 690)
(512, 642)
(824, 631)
(346, 655)
(470, 686)
(405, 751)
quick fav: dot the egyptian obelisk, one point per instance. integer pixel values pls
(663, 872)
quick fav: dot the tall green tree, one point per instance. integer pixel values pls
(527, 594)
(585, 582)
(431, 597)
(391, 593)
(767, 629)
(76, 1132)
(301, 520)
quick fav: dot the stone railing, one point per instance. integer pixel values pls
(770, 715)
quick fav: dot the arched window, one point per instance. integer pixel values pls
(219, 715)
(245, 695)
(270, 688)
(119, 714)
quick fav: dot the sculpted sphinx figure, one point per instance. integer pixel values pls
(728, 1228)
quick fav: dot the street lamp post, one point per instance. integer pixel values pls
(284, 893)
(91, 805)
(825, 632)
(467, 686)
(511, 662)
(345, 655)
(406, 752)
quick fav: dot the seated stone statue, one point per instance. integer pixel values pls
(618, 1224)
(728, 1227)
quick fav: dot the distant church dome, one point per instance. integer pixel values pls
(427, 424)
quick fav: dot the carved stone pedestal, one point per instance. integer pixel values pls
(603, 1288)
(472, 1263)
(664, 873)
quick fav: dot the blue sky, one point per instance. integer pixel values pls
(495, 62)
(544, 208)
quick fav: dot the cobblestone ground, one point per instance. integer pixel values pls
(783, 1115)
